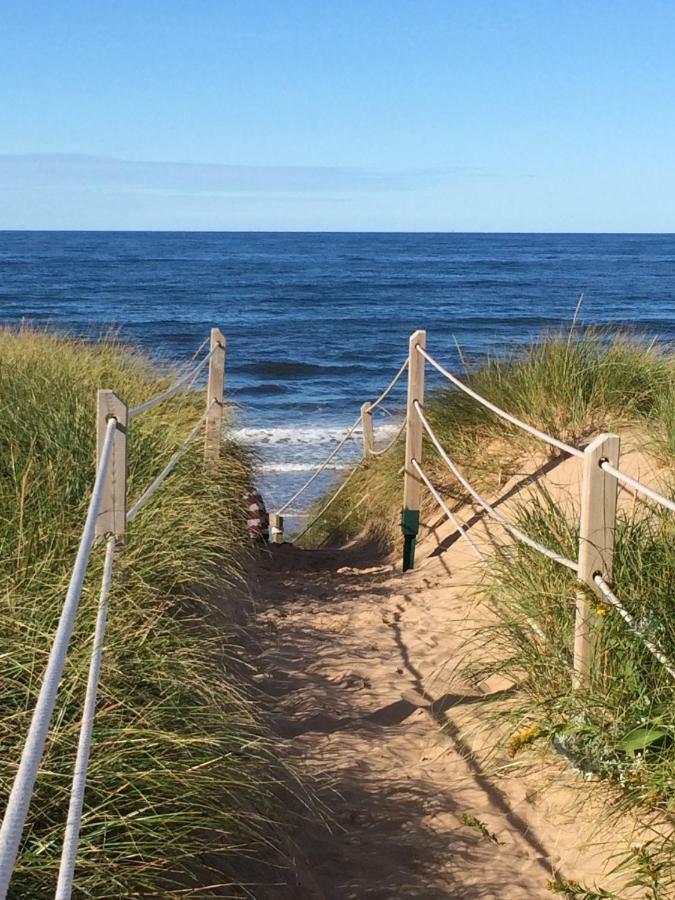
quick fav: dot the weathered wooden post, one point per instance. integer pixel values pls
(597, 524)
(112, 516)
(276, 528)
(410, 515)
(367, 428)
(215, 394)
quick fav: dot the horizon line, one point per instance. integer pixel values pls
(321, 231)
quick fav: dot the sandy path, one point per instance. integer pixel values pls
(361, 663)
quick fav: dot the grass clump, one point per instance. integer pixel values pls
(181, 778)
(570, 386)
(621, 728)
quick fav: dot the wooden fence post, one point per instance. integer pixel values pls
(276, 529)
(367, 428)
(597, 524)
(215, 395)
(112, 516)
(410, 515)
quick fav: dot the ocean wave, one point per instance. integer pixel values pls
(283, 368)
(299, 434)
(282, 468)
(257, 389)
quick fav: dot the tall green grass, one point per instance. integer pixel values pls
(621, 727)
(630, 705)
(181, 783)
(571, 386)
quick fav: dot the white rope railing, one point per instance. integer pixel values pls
(166, 471)
(614, 601)
(24, 781)
(383, 409)
(64, 884)
(446, 509)
(535, 432)
(330, 502)
(321, 468)
(637, 485)
(347, 515)
(463, 531)
(387, 447)
(174, 389)
(516, 532)
(102, 519)
(390, 387)
(336, 494)
(350, 431)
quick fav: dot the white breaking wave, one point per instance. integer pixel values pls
(298, 434)
(299, 467)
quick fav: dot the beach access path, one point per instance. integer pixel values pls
(366, 673)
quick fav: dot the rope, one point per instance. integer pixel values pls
(170, 466)
(24, 781)
(330, 502)
(383, 409)
(567, 448)
(198, 350)
(391, 443)
(344, 519)
(614, 601)
(385, 393)
(175, 387)
(320, 469)
(441, 502)
(637, 485)
(465, 534)
(516, 532)
(64, 884)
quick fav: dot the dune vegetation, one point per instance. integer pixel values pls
(621, 728)
(182, 781)
(571, 386)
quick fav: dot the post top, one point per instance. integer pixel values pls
(600, 440)
(112, 402)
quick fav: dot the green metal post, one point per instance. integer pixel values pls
(410, 526)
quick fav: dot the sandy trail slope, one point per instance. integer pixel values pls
(363, 667)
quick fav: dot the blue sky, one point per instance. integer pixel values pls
(400, 115)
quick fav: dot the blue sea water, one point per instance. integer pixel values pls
(318, 323)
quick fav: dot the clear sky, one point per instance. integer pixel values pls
(441, 115)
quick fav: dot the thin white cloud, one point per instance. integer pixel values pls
(73, 171)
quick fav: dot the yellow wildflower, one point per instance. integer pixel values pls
(518, 741)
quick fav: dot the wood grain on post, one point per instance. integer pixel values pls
(597, 525)
(112, 516)
(215, 395)
(412, 486)
(367, 428)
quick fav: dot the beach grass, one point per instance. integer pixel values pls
(571, 386)
(182, 782)
(618, 729)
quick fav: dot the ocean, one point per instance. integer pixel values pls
(318, 322)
